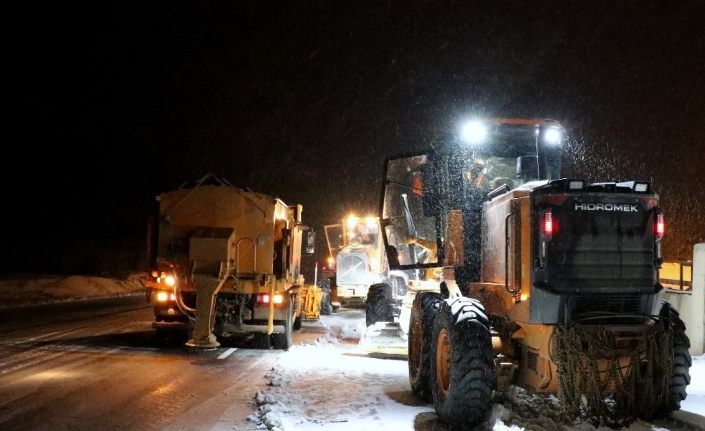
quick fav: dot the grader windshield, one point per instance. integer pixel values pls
(461, 171)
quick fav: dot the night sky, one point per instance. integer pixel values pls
(112, 104)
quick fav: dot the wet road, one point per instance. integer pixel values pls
(98, 366)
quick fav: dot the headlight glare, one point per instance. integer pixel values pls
(552, 136)
(473, 132)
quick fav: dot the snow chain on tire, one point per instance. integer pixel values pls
(680, 375)
(654, 387)
(420, 349)
(462, 365)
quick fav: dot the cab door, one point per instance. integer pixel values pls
(409, 218)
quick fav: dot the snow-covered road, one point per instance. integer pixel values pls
(695, 402)
(325, 382)
(329, 383)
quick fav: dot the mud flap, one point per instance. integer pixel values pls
(385, 340)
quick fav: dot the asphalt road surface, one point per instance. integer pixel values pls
(98, 366)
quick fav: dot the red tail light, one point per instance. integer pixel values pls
(548, 226)
(659, 225)
(264, 298)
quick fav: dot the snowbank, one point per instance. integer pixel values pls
(695, 401)
(34, 291)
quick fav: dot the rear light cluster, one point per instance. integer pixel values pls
(659, 232)
(264, 298)
(659, 225)
(549, 225)
(163, 296)
(160, 277)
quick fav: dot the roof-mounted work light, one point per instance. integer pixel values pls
(473, 132)
(552, 136)
(641, 187)
(576, 185)
(636, 186)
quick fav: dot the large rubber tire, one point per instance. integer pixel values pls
(297, 322)
(326, 308)
(462, 366)
(262, 340)
(170, 337)
(285, 340)
(423, 311)
(680, 378)
(378, 306)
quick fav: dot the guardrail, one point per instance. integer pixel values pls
(684, 282)
(686, 292)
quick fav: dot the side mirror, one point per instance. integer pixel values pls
(527, 168)
(309, 241)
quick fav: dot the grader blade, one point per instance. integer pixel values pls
(385, 340)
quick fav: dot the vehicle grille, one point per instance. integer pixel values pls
(351, 269)
(603, 268)
(608, 303)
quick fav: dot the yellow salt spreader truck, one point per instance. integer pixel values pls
(226, 261)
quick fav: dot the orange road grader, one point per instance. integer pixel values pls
(528, 278)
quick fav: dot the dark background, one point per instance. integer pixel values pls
(113, 103)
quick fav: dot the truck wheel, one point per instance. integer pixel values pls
(297, 323)
(326, 308)
(462, 367)
(298, 319)
(163, 337)
(261, 340)
(680, 378)
(378, 305)
(170, 337)
(285, 340)
(423, 311)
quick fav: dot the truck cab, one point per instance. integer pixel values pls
(357, 247)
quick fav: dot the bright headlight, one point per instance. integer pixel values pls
(552, 136)
(170, 280)
(352, 221)
(162, 296)
(473, 132)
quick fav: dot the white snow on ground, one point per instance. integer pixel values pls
(327, 383)
(331, 384)
(695, 401)
(22, 291)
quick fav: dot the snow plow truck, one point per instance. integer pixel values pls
(226, 262)
(531, 279)
(361, 271)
